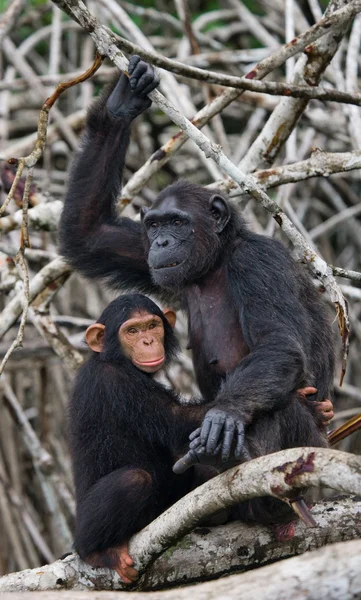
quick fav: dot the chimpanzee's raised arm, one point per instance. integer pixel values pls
(91, 237)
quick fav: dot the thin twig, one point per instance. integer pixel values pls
(105, 44)
(20, 260)
(247, 82)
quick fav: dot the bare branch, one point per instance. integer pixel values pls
(9, 18)
(44, 217)
(320, 164)
(307, 71)
(51, 272)
(243, 83)
(106, 46)
(274, 474)
(267, 65)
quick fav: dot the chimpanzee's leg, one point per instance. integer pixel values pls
(117, 506)
(293, 426)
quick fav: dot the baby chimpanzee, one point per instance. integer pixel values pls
(126, 431)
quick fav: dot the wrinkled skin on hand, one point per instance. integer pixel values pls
(197, 455)
(211, 443)
(220, 427)
(130, 96)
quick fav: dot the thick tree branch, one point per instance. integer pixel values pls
(331, 573)
(276, 474)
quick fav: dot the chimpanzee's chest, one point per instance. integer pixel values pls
(215, 333)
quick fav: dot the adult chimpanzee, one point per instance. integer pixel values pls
(257, 327)
(126, 431)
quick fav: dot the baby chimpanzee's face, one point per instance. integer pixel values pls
(142, 341)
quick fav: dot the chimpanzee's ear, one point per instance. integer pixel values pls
(171, 316)
(220, 212)
(94, 337)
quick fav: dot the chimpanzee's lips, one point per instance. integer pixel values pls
(169, 266)
(151, 363)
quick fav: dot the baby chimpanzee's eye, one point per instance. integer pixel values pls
(132, 330)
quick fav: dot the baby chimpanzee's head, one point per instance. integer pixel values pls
(133, 327)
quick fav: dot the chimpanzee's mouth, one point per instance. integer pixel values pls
(151, 363)
(169, 266)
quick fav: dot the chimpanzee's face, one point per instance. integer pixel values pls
(183, 244)
(142, 341)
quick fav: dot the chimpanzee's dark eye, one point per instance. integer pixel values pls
(177, 222)
(153, 225)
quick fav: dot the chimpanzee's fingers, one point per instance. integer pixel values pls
(196, 443)
(143, 78)
(205, 429)
(138, 72)
(152, 85)
(195, 433)
(146, 81)
(133, 61)
(115, 100)
(325, 406)
(199, 449)
(185, 462)
(229, 428)
(240, 440)
(215, 432)
(307, 391)
(217, 450)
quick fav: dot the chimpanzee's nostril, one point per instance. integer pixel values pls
(162, 243)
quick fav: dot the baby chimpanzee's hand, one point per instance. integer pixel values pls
(129, 97)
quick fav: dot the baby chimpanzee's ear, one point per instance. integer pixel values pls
(170, 316)
(94, 337)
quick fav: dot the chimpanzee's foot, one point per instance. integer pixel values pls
(116, 558)
(124, 567)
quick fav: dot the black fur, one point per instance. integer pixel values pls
(257, 327)
(125, 432)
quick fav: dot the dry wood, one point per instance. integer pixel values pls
(305, 152)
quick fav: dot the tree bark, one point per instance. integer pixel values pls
(206, 553)
(331, 573)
